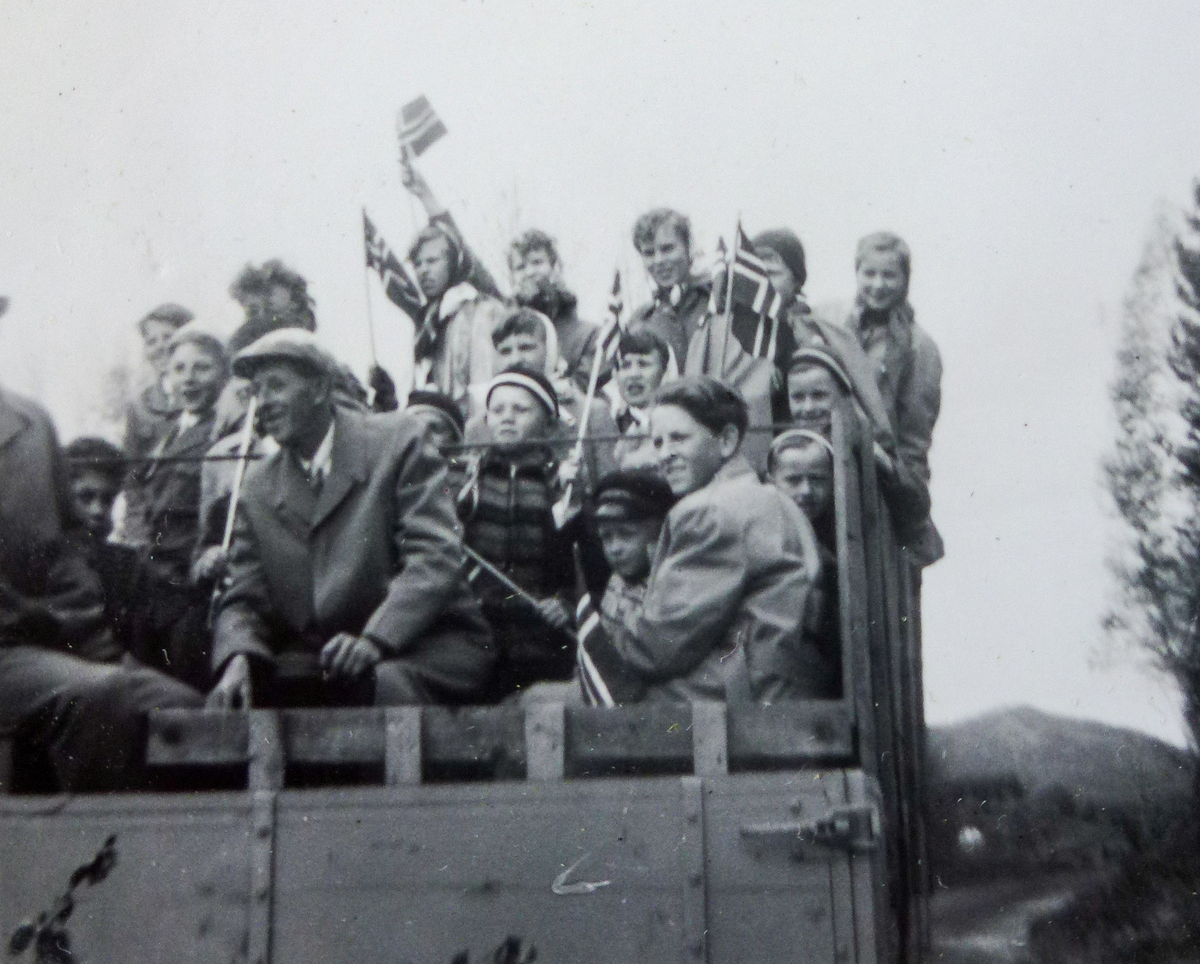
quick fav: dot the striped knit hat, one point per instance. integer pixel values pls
(534, 382)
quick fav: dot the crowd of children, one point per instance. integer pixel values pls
(692, 497)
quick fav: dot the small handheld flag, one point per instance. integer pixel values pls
(418, 126)
(399, 279)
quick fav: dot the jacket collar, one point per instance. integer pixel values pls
(736, 468)
(294, 494)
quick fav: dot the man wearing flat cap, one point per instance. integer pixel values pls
(346, 581)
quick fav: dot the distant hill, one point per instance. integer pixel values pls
(1104, 763)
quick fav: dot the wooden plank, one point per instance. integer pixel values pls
(351, 735)
(544, 740)
(887, 732)
(473, 741)
(647, 738)
(852, 580)
(789, 734)
(197, 738)
(710, 739)
(692, 870)
(402, 746)
(262, 878)
(265, 770)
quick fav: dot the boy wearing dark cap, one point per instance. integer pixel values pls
(507, 515)
(630, 509)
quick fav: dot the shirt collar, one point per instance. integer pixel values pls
(321, 463)
(187, 420)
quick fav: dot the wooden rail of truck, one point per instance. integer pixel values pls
(684, 833)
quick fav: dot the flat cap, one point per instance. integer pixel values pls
(285, 344)
(633, 494)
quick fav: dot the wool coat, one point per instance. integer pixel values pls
(377, 552)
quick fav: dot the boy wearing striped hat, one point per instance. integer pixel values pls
(506, 508)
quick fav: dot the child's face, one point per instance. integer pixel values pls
(522, 349)
(638, 378)
(92, 497)
(196, 377)
(811, 392)
(436, 429)
(629, 546)
(155, 336)
(881, 281)
(515, 416)
(805, 475)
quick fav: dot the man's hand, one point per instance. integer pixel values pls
(416, 185)
(349, 656)
(555, 613)
(210, 566)
(233, 691)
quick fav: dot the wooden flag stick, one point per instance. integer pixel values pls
(737, 237)
(370, 313)
(507, 583)
(239, 471)
(564, 504)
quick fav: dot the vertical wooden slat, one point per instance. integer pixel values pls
(710, 739)
(691, 865)
(848, 918)
(883, 682)
(265, 750)
(852, 580)
(262, 878)
(545, 727)
(402, 745)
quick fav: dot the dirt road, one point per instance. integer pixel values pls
(989, 923)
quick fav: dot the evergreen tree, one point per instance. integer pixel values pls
(1153, 473)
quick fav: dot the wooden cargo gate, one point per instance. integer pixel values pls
(789, 832)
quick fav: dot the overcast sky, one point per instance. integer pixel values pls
(1022, 149)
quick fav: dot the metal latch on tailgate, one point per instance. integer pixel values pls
(854, 828)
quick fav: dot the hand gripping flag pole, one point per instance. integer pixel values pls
(504, 580)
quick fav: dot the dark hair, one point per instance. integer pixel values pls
(169, 314)
(642, 340)
(274, 274)
(519, 321)
(525, 243)
(646, 227)
(90, 454)
(708, 401)
(420, 397)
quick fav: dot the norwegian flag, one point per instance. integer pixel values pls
(605, 678)
(399, 278)
(752, 287)
(419, 127)
(756, 305)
